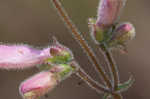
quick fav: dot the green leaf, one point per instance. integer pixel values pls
(126, 85)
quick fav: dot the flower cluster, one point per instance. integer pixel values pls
(105, 29)
(55, 62)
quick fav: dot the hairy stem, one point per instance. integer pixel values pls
(112, 65)
(81, 40)
(99, 88)
(93, 84)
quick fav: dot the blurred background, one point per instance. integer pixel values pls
(34, 22)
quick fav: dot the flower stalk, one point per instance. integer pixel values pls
(93, 84)
(81, 40)
(111, 63)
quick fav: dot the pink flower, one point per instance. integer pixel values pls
(45, 81)
(21, 56)
(38, 85)
(108, 12)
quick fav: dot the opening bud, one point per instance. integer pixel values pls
(122, 34)
(108, 12)
(45, 81)
(38, 85)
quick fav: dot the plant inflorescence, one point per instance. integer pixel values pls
(57, 61)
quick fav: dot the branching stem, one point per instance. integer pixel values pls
(112, 65)
(99, 88)
(81, 41)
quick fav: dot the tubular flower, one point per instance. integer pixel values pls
(107, 15)
(108, 12)
(21, 56)
(38, 85)
(45, 81)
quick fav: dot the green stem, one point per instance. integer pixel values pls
(112, 65)
(81, 40)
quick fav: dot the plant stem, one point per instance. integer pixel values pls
(117, 96)
(99, 88)
(81, 40)
(112, 65)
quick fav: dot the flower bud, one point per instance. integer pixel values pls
(59, 54)
(38, 85)
(108, 12)
(122, 34)
(45, 81)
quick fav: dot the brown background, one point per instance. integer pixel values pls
(34, 22)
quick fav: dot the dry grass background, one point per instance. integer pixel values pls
(34, 22)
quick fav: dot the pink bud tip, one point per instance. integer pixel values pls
(57, 48)
(124, 32)
(38, 85)
(21, 56)
(125, 27)
(108, 12)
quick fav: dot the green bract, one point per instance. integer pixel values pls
(66, 71)
(61, 58)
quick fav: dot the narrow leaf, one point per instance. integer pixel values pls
(126, 85)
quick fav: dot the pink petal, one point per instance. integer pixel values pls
(124, 32)
(108, 11)
(21, 56)
(38, 84)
